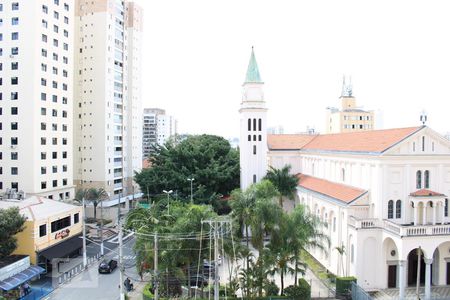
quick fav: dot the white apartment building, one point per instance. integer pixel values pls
(36, 63)
(382, 194)
(157, 128)
(107, 122)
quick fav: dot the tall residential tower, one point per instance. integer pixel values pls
(36, 61)
(157, 129)
(108, 115)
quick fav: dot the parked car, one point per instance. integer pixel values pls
(107, 266)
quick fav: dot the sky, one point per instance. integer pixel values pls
(195, 56)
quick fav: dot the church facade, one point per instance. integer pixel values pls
(382, 195)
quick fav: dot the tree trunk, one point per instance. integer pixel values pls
(280, 201)
(95, 210)
(246, 237)
(296, 268)
(282, 282)
(189, 281)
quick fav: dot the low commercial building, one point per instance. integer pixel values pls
(52, 229)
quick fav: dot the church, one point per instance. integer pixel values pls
(382, 194)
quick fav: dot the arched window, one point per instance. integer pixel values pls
(398, 209)
(254, 178)
(419, 179)
(254, 124)
(254, 137)
(259, 124)
(259, 138)
(249, 124)
(334, 224)
(426, 174)
(254, 149)
(249, 137)
(391, 209)
(423, 143)
(352, 253)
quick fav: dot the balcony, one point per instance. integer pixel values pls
(398, 229)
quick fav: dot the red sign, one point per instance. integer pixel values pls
(62, 234)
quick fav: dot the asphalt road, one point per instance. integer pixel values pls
(92, 285)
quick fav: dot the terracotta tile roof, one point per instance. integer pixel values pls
(424, 193)
(288, 141)
(146, 163)
(341, 192)
(375, 141)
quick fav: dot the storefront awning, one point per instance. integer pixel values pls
(19, 278)
(63, 248)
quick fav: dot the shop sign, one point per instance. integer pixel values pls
(62, 234)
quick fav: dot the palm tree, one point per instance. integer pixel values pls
(95, 196)
(341, 251)
(284, 182)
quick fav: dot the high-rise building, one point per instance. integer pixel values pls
(157, 129)
(36, 63)
(350, 117)
(253, 124)
(108, 115)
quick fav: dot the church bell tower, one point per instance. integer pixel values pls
(253, 121)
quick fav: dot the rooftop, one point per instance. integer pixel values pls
(11, 259)
(38, 208)
(372, 141)
(426, 193)
(338, 191)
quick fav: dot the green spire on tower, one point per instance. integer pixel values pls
(252, 70)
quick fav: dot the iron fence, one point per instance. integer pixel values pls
(358, 293)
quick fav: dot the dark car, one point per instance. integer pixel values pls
(107, 266)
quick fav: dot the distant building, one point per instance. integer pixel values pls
(52, 229)
(275, 130)
(157, 129)
(107, 109)
(350, 117)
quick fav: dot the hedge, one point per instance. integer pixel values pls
(300, 292)
(146, 293)
(343, 285)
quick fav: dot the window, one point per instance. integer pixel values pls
(14, 95)
(391, 209)
(423, 143)
(66, 33)
(427, 179)
(15, 6)
(44, 38)
(44, 9)
(249, 137)
(254, 137)
(54, 113)
(343, 174)
(55, 169)
(14, 141)
(64, 182)
(14, 66)
(44, 67)
(66, 6)
(54, 155)
(14, 110)
(64, 154)
(44, 24)
(55, 183)
(66, 20)
(76, 218)
(14, 156)
(43, 111)
(14, 126)
(56, 15)
(55, 42)
(56, 2)
(15, 21)
(60, 224)
(55, 28)
(419, 179)
(249, 125)
(334, 224)
(254, 124)
(43, 155)
(259, 138)
(43, 170)
(446, 208)
(43, 96)
(14, 80)
(43, 82)
(42, 230)
(254, 178)
(352, 253)
(14, 171)
(14, 50)
(414, 146)
(398, 209)
(14, 36)
(254, 149)
(54, 141)
(259, 124)
(64, 168)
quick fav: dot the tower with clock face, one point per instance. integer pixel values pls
(253, 123)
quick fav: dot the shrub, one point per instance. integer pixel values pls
(147, 292)
(301, 292)
(343, 285)
(271, 289)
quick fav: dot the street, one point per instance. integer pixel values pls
(92, 285)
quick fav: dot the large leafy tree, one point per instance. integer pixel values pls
(285, 182)
(11, 223)
(208, 159)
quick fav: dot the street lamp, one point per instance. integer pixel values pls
(168, 200)
(191, 179)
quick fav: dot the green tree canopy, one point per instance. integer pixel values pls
(208, 159)
(285, 183)
(11, 223)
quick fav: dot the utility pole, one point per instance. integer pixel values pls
(102, 251)
(155, 275)
(84, 234)
(118, 209)
(191, 179)
(214, 224)
(121, 268)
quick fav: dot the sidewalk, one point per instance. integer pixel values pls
(136, 294)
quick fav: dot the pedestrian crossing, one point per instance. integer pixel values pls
(126, 257)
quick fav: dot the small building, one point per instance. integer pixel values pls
(350, 117)
(52, 229)
(15, 270)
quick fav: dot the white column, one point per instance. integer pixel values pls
(416, 214)
(424, 214)
(434, 213)
(401, 279)
(428, 262)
